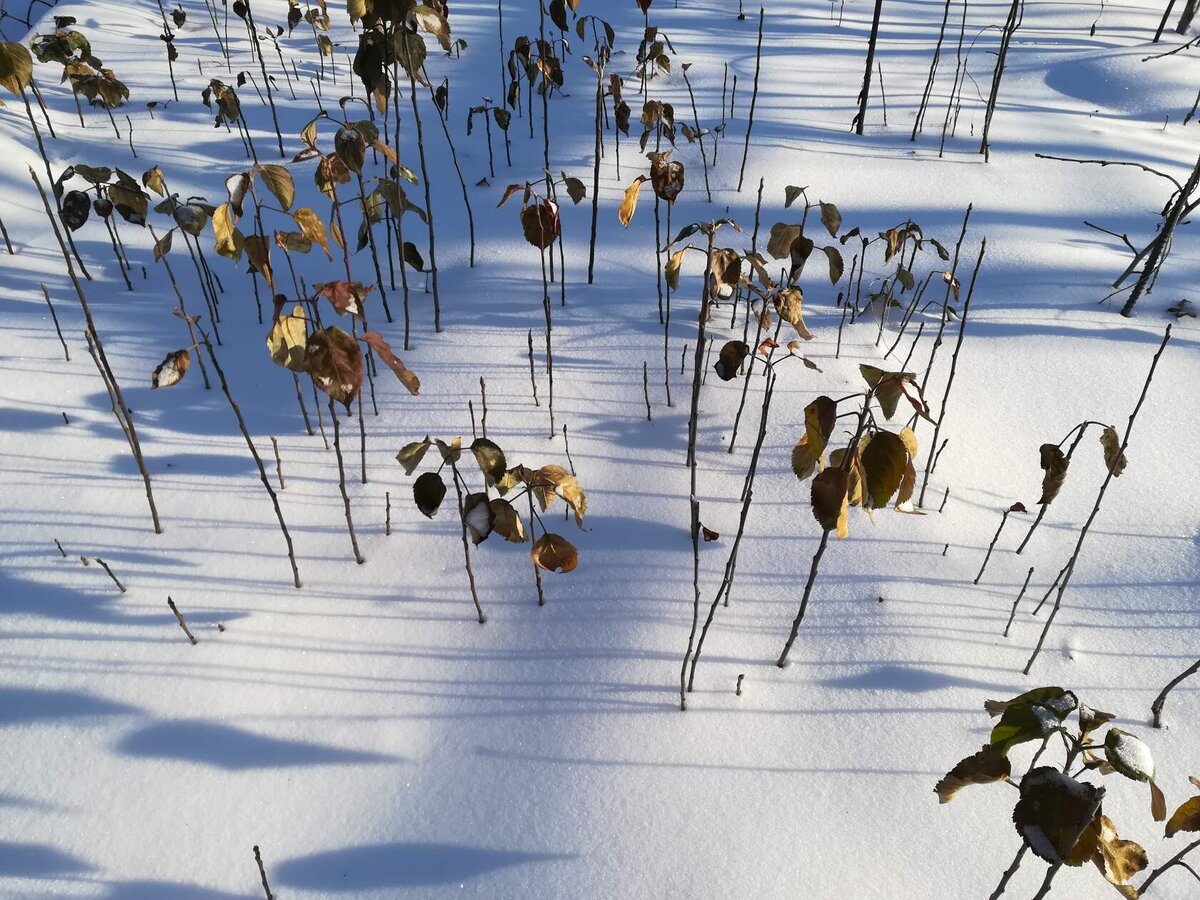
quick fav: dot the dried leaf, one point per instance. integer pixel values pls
(312, 228)
(983, 767)
(16, 67)
(335, 362)
(346, 296)
(1186, 818)
(288, 339)
(820, 416)
(451, 452)
(804, 461)
(884, 460)
(730, 359)
(830, 218)
(1114, 459)
(407, 377)
(540, 223)
(1054, 463)
(280, 182)
(553, 552)
(507, 521)
(410, 455)
(171, 370)
(630, 200)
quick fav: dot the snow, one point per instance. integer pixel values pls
(365, 731)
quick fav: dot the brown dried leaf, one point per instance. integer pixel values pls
(983, 767)
(171, 370)
(392, 361)
(553, 552)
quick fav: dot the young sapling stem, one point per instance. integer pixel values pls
(115, 579)
(182, 624)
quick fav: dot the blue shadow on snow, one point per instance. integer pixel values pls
(400, 865)
(232, 749)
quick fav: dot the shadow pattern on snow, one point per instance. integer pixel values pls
(398, 865)
(233, 749)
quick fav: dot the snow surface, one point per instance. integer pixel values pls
(375, 740)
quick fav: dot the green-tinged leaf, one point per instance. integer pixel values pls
(491, 460)
(1128, 755)
(410, 455)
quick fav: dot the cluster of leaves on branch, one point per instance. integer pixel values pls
(483, 514)
(875, 466)
(1058, 815)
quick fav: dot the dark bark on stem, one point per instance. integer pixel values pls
(120, 409)
(1015, 14)
(693, 421)
(933, 67)
(433, 269)
(337, 449)
(1012, 614)
(462, 516)
(754, 96)
(262, 471)
(747, 497)
(1157, 706)
(1176, 860)
(116, 580)
(182, 624)
(962, 328)
(262, 873)
(54, 318)
(987, 556)
(864, 94)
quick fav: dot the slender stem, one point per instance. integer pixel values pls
(1176, 860)
(754, 96)
(1009, 872)
(693, 419)
(182, 624)
(1096, 508)
(462, 516)
(1157, 706)
(337, 449)
(1017, 602)
(962, 330)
